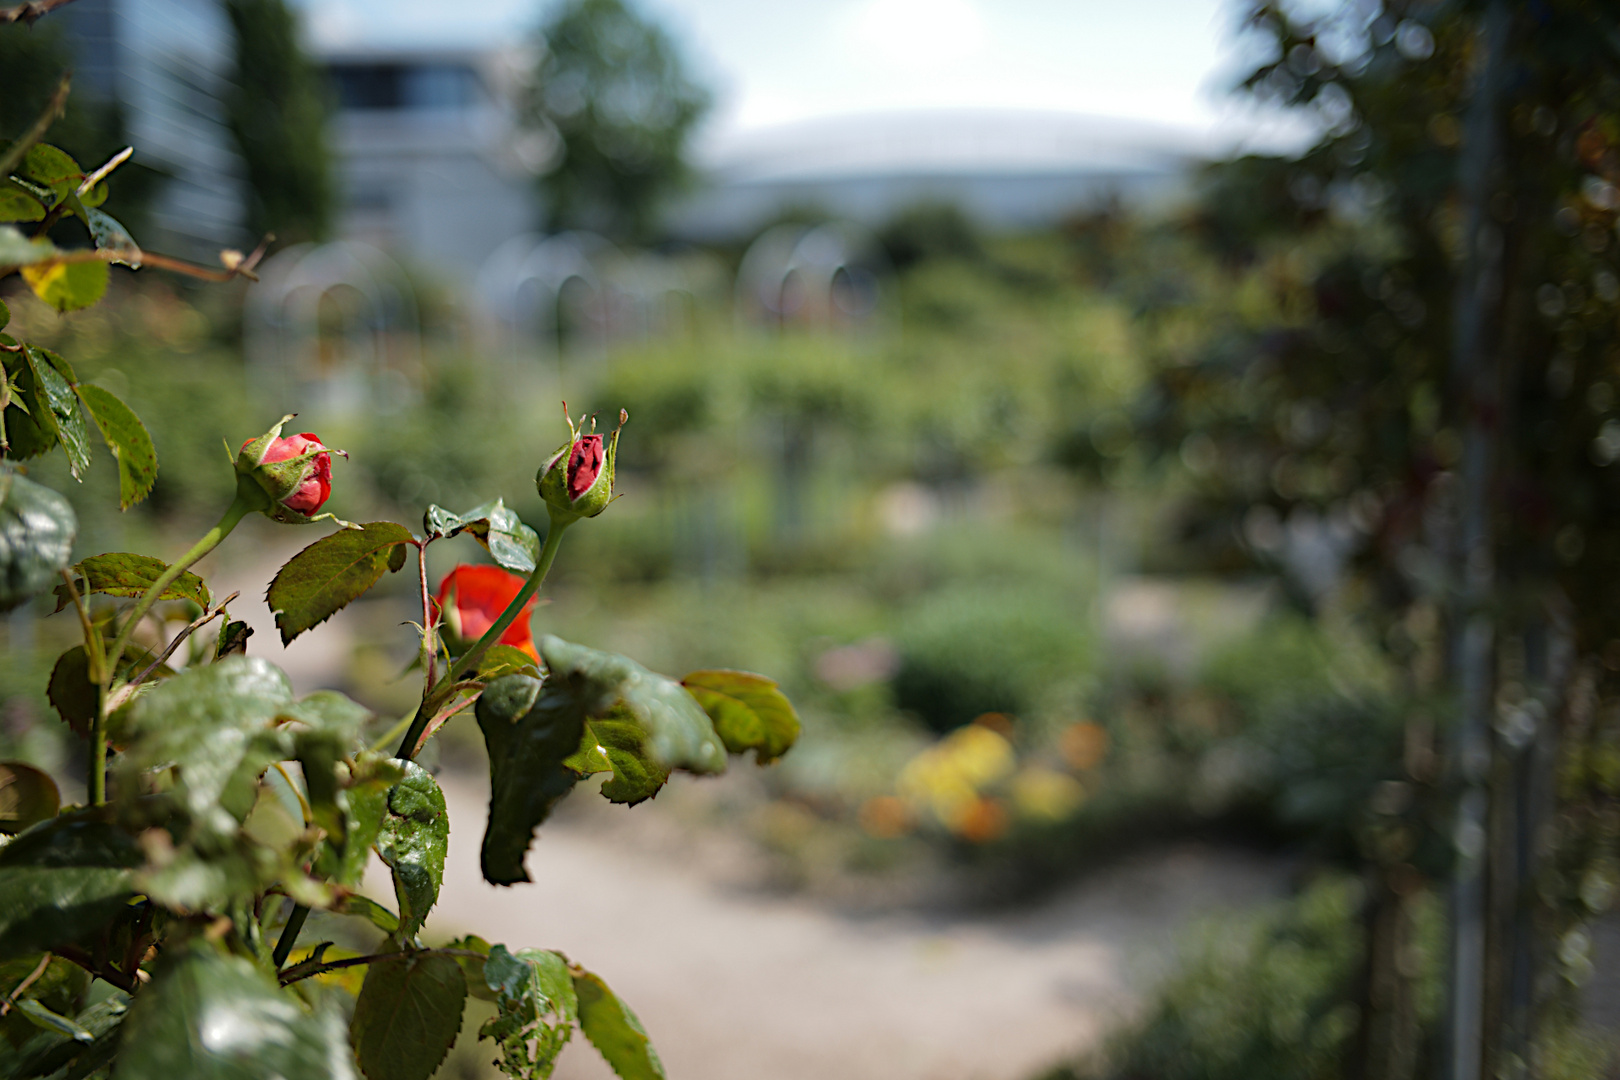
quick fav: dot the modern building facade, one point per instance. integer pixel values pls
(432, 165)
(166, 64)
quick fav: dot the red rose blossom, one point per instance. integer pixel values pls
(472, 597)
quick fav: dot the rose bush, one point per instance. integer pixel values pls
(237, 808)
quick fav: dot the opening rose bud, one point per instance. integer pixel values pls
(472, 597)
(288, 479)
(584, 465)
(577, 480)
(316, 486)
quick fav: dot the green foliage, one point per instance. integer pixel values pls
(612, 88)
(748, 711)
(614, 1030)
(407, 1015)
(27, 797)
(538, 1009)
(129, 574)
(981, 650)
(328, 575)
(37, 527)
(219, 1017)
(512, 544)
(1272, 1001)
(127, 438)
(175, 889)
(277, 111)
(412, 840)
(63, 880)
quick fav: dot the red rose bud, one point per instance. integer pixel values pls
(471, 598)
(294, 472)
(577, 480)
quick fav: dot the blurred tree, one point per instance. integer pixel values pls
(277, 111)
(1416, 373)
(612, 90)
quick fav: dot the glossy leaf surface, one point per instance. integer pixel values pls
(512, 544)
(412, 842)
(325, 577)
(207, 1016)
(37, 527)
(528, 737)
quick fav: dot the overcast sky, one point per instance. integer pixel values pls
(773, 62)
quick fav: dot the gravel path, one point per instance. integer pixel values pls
(739, 985)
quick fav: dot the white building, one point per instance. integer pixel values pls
(1007, 169)
(431, 165)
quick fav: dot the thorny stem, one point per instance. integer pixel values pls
(469, 660)
(356, 961)
(192, 627)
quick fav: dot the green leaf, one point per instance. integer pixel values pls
(5, 315)
(618, 745)
(370, 910)
(501, 660)
(36, 537)
(19, 250)
(538, 748)
(111, 236)
(512, 544)
(75, 697)
(212, 1017)
(27, 797)
(47, 385)
(678, 733)
(68, 286)
(320, 580)
(473, 966)
(233, 639)
(220, 726)
(407, 1015)
(127, 438)
(47, 164)
(614, 1030)
(412, 842)
(122, 573)
(538, 1008)
(18, 205)
(748, 711)
(364, 805)
(529, 737)
(62, 880)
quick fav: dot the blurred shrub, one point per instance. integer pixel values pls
(973, 649)
(1271, 1000)
(930, 231)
